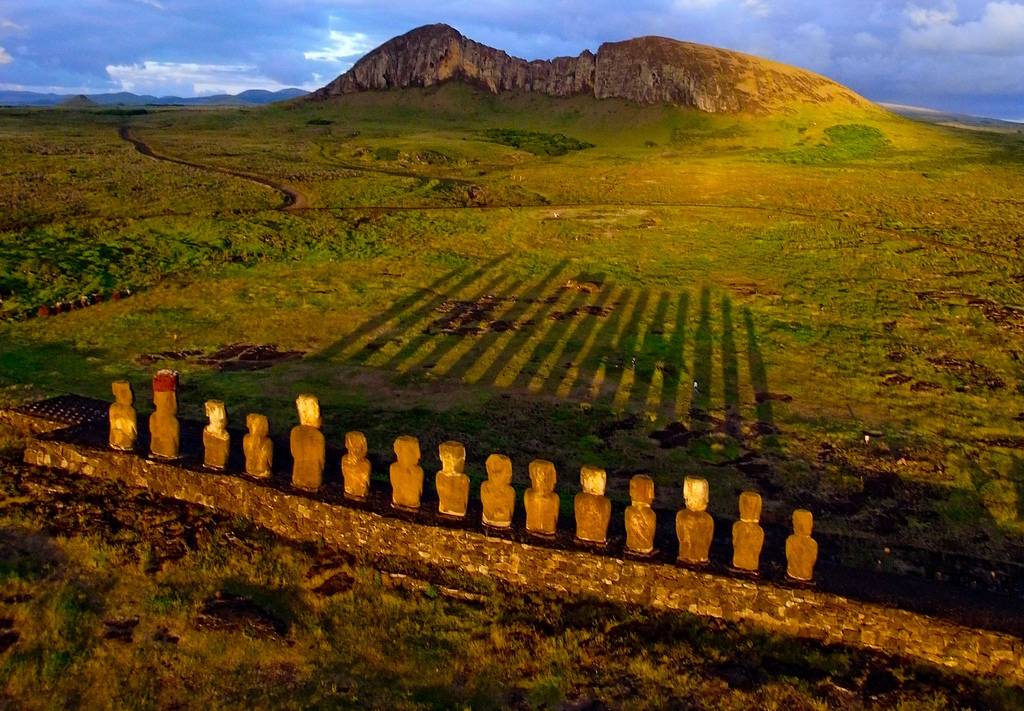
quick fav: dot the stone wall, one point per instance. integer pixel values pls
(799, 612)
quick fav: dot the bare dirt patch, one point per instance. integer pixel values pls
(477, 317)
(1009, 318)
(970, 373)
(236, 613)
(232, 357)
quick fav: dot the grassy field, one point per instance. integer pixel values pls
(558, 278)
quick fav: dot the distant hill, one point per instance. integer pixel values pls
(252, 97)
(647, 70)
(78, 102)
(944, 118)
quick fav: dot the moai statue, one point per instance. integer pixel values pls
(406, 474)
(164, 431)
(540, 500)
(452, 482)
(801, 549)
(593, 509)
(694, 525)
(258, 447)
(640, 517)
(355, 467)
(747, 534)
(497, 494)
(123, 421)
(308, 445)
(216, 440)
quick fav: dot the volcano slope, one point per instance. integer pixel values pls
(826, 298)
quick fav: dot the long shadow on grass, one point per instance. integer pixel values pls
(730, 374)
(517, 317)
(674, 367)
(629, 351)
(617, 347)
(443, 334)
(595, 365)
(652, 360)
(559, 325)
(375, 333)
(571, 345)
(585, 340)
(700, 404)
(759, 380)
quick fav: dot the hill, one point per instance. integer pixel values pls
(946, 118)
(252, 97)
(646, 70)
(78, 102)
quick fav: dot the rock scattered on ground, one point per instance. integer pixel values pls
(232, 357)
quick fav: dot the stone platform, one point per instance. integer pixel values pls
(372, 534)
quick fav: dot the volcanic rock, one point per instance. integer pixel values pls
(646, 70)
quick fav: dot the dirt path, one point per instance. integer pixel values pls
(292, 199)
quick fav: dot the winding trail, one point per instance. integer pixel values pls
(292, 199)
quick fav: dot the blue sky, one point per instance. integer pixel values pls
(962, 55)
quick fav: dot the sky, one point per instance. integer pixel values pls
(955, 55)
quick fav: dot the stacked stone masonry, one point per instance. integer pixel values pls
(798, 612)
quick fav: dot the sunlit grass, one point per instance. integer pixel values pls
(865, 259)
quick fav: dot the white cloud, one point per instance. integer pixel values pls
(999, 31)
(930, 17)
(757, 8)
(866, 40)
(344, 46)
(5, 58)
(807, 46)
(6, 24)
(156, 4)
(691, 4)
(50, 88)
(189, 78)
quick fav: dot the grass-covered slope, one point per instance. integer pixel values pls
(794, 280)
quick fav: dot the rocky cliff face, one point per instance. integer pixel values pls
(437, 53)
(648, 70)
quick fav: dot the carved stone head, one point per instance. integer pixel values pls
(407, 449)
(542, 476)
(122, 390)
(750, 507)
(355, 444)
(217, 414)
(641, 490)
(257, 424)
(499, 469)
(695, 493)
(166, 402)
(803, 522)
(309, 410)
(593, 480)
(453, 457)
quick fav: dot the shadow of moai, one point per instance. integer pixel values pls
(765, 425)
(703, 347)
(584, 338)
(730, 374)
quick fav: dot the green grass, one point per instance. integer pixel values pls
(860, 267)
(539, 144)
(845, 142)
